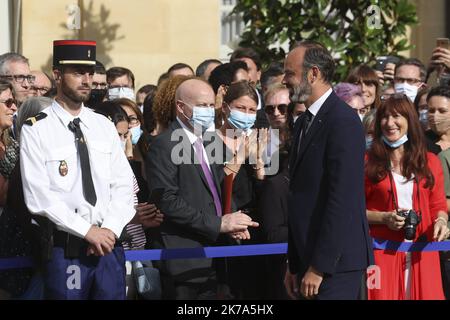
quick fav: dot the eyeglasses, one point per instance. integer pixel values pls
(410, 81)
(99, 85)
(9, 102)
(133, 120)
(270, 109)
(20, 78)
(41, 90)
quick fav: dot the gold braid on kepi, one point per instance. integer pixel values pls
(78, 52)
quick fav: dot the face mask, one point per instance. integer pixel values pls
(397, 143)
(295, 118)
(136, 133)
(409, 90)
(97, 96)
(241, 120)
(423, 117)
(202, 117)
(123, 144)
(439, 123)
(120, 92)
(369, 141)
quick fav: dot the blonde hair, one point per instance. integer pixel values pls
(273, 89)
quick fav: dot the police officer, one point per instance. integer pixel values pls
(75, 173)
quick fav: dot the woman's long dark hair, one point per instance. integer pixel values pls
(364, 73)
(414, 161)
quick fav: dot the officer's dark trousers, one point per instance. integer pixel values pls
(86, 277)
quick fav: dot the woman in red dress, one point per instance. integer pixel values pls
(402, 176)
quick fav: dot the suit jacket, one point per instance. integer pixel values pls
(328, 226)
(190, 216)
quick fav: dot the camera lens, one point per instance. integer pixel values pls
(410, 232)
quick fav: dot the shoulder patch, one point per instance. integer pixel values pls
(32, 120)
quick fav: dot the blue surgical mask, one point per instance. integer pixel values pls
(201, 117)
(369, 141)
(397, 143)
(241, 120)
(423, 117)
(121, 92)
(136, 133)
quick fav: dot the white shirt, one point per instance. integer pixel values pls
(315, 107)
(405, 190)
(43, 148)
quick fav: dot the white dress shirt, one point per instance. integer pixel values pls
(45, 145)
(315, 107)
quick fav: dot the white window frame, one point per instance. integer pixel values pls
(231, 28)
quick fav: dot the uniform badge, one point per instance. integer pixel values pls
(63, 169)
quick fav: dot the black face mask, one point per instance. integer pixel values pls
(97, 96)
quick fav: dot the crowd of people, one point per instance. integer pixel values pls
(231, 153)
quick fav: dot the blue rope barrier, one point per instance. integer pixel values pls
(236, 251)
(207, 252)
(381, 244)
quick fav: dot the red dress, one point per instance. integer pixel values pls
(426, 280)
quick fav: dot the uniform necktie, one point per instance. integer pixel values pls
(86, 177)
(209, 179)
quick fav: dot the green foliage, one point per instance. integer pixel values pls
(341, 25)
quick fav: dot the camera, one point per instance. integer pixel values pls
(412, 219)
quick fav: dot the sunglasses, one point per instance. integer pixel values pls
(9, 102)
(270, 109)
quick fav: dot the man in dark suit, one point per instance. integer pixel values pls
(329, 243)
(178, 163)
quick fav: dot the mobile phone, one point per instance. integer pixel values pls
(156, 196)
(381, 62)
(443, 43)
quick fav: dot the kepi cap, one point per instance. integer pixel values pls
(74, 52)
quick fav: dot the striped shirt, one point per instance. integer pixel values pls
(135, 231)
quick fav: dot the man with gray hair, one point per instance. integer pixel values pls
(42, 83)
(15, 68)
